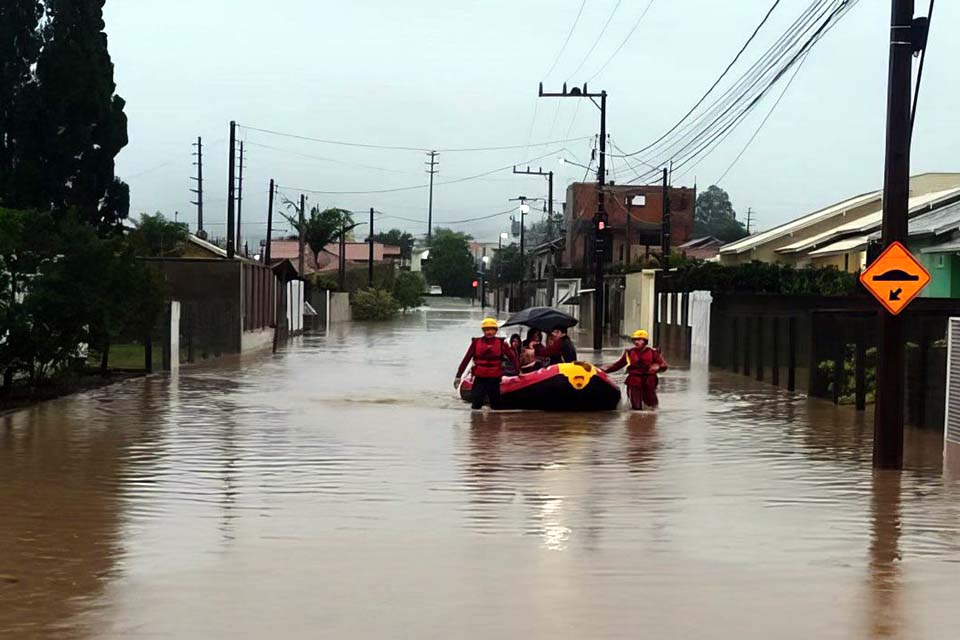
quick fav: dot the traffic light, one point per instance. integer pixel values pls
(475, 284)
(601, 225)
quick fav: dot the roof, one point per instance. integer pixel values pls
(856, 243)
(328, 258)
(872, 221)
(699, 243)
(208, 246)
(756, 239)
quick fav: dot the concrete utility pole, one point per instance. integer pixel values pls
(665, 221)
(906, 37)
(266, 248)
(199, 190)
(342, 261)
(524, 210)
(240, 199)
(600, 218)
(432, 171)
(749, 218)
(370, 266)
(231, 179)
(300, 218)
(549, 176)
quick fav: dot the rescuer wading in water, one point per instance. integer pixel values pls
(643, 362)
(487, 354)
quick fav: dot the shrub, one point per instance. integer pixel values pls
(408, 289)
(374, 304)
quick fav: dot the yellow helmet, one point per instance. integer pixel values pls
(640, 334)
(489, 323)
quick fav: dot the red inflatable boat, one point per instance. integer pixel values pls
(572, 386)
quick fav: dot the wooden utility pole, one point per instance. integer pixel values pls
(891, 365)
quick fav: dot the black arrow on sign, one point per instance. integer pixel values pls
(895, 294)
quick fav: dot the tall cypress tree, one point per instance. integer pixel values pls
(82, 124)
(19, 49)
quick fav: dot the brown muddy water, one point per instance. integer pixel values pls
(339, 489)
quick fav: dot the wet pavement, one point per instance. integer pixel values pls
(339, 489)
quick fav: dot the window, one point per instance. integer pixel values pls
(940, 261)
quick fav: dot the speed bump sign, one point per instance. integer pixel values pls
(895, 278)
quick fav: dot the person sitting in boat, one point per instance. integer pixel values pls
(643, 362)
(517, 347)
(561, 349)
(528, 356)
(487, 354)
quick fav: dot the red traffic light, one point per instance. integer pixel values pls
(475, 284)
(601, 225)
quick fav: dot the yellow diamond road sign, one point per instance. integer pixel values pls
(895, 278)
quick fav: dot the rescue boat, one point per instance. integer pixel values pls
(571, 386)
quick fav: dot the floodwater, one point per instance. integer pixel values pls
(338, 489)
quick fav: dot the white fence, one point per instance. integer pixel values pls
(698, 317)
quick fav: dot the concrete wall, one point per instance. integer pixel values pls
(295, 306)
(639, 301)
(340, 308)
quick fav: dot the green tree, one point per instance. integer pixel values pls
(408, 289)
(80, 124)
(451, 266)
(714, 216)
(19, 48)
(374, 304)
(505, 266)
(321, 228)
(397, 238)
(156, 236)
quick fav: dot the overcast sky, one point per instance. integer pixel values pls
(453, 74)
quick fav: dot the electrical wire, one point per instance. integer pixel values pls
(923, 57)
(421, 186)
(597, 41)
(403, 148)
(762, 123)
(624, 42)
(563, 47)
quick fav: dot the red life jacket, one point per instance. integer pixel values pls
(488, 357)
(640, 361)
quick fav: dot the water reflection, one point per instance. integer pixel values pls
(341, 489)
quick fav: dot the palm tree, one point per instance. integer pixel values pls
(322, 227)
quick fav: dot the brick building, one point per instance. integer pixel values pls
(645, 206)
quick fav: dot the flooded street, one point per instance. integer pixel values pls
(339, 489)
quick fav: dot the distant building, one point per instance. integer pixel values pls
(357, 253)
(707, 248)
(645, 205)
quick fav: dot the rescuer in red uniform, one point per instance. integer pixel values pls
(487, 354)
(643, 362)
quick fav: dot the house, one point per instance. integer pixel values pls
(356, 253)
(645, 206)
(707, 248)
(796, 241)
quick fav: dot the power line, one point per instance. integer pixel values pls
(566, 41)
(624, 42)
(403, 148)
(716, 82)
(597, 41)
(422, 186)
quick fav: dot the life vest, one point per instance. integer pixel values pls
(640, 360)
(488, 358)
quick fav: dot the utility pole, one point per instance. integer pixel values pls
(665, 221)
(499, 269)
(300, 216)
(342, 261)
(432, 171)
(240, 198)
(524, 209)
(199, 190)
(370, 266)
(600, 218)
(749, 218)
(549, 176)
(891, 361)
(231, 168)
(266, 249)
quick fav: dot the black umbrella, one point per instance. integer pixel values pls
(542, 318)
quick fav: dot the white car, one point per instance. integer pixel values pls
(435, 290)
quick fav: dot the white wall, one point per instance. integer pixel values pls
(295, 305)
(699, 319)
